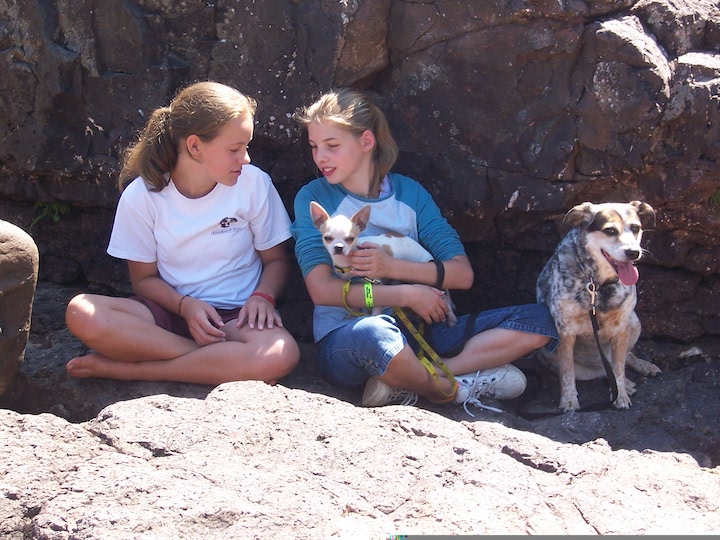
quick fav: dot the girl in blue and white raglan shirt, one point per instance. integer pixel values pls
(354, 149)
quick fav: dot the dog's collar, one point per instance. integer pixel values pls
(590, 280)
(342, 269)
(609, 282)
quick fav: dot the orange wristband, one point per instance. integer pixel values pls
(265, 296)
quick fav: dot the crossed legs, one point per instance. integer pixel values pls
(488, 349)
(128, 345)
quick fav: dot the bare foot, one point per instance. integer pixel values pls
(90, 365)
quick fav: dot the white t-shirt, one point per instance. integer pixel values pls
(207, 247)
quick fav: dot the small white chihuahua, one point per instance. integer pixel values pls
(340, 236)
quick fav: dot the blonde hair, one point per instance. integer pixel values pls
(353, 110)
(200, 109)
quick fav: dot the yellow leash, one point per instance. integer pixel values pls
(345, 290)
(425, 348)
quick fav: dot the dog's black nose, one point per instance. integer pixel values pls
(632, 254)
(338, 249)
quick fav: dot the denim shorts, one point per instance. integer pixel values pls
(349, 356)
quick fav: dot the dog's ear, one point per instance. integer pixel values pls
(645, 212)
(318, 214)
(362, 217)
(582, 214)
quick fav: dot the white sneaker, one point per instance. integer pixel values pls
(377, 394)
(504, 382)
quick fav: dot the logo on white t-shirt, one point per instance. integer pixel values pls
(227, 221)
(227, 225)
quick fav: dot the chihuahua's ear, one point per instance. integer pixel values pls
(318, 214)
(361, 217)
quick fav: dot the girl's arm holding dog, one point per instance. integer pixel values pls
(372, 260)
(326, 290)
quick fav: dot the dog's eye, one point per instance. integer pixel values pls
(635, 228)
(611, 231)
(327, 239)
(349, 239)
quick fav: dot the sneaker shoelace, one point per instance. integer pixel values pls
(401, 396)
(480, 387)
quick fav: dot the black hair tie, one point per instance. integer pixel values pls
(440, 274)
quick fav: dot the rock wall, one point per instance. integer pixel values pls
(509, 113)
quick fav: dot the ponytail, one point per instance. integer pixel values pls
(154, 154)
(386, 149)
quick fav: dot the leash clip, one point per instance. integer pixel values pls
(592, 289)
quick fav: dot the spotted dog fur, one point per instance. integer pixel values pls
(601, 245)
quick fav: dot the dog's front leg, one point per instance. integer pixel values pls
(564, 358)
(619, 347)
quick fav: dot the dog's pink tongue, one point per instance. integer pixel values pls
(627, 273)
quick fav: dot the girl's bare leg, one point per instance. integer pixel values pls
(486, 350)
(406, 371)
(213, 364)
(122, 329)
(493, 348)
(130, 346)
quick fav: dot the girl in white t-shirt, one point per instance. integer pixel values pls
(204, 234)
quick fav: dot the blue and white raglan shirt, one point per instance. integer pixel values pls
(407, 208)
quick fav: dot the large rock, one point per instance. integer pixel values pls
(18, 278)
(255, 461)
(119, 459)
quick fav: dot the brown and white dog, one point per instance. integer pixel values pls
(597, 252)
(341, 236)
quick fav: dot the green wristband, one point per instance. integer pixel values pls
(369, 300)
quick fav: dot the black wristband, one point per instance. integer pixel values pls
(440, 274)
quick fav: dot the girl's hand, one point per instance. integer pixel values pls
(258, 313)
(372, 261)
(203, 320)
(428, 303)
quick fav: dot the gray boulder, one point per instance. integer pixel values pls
(254, 461)
(103, 459)
(18, 278)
